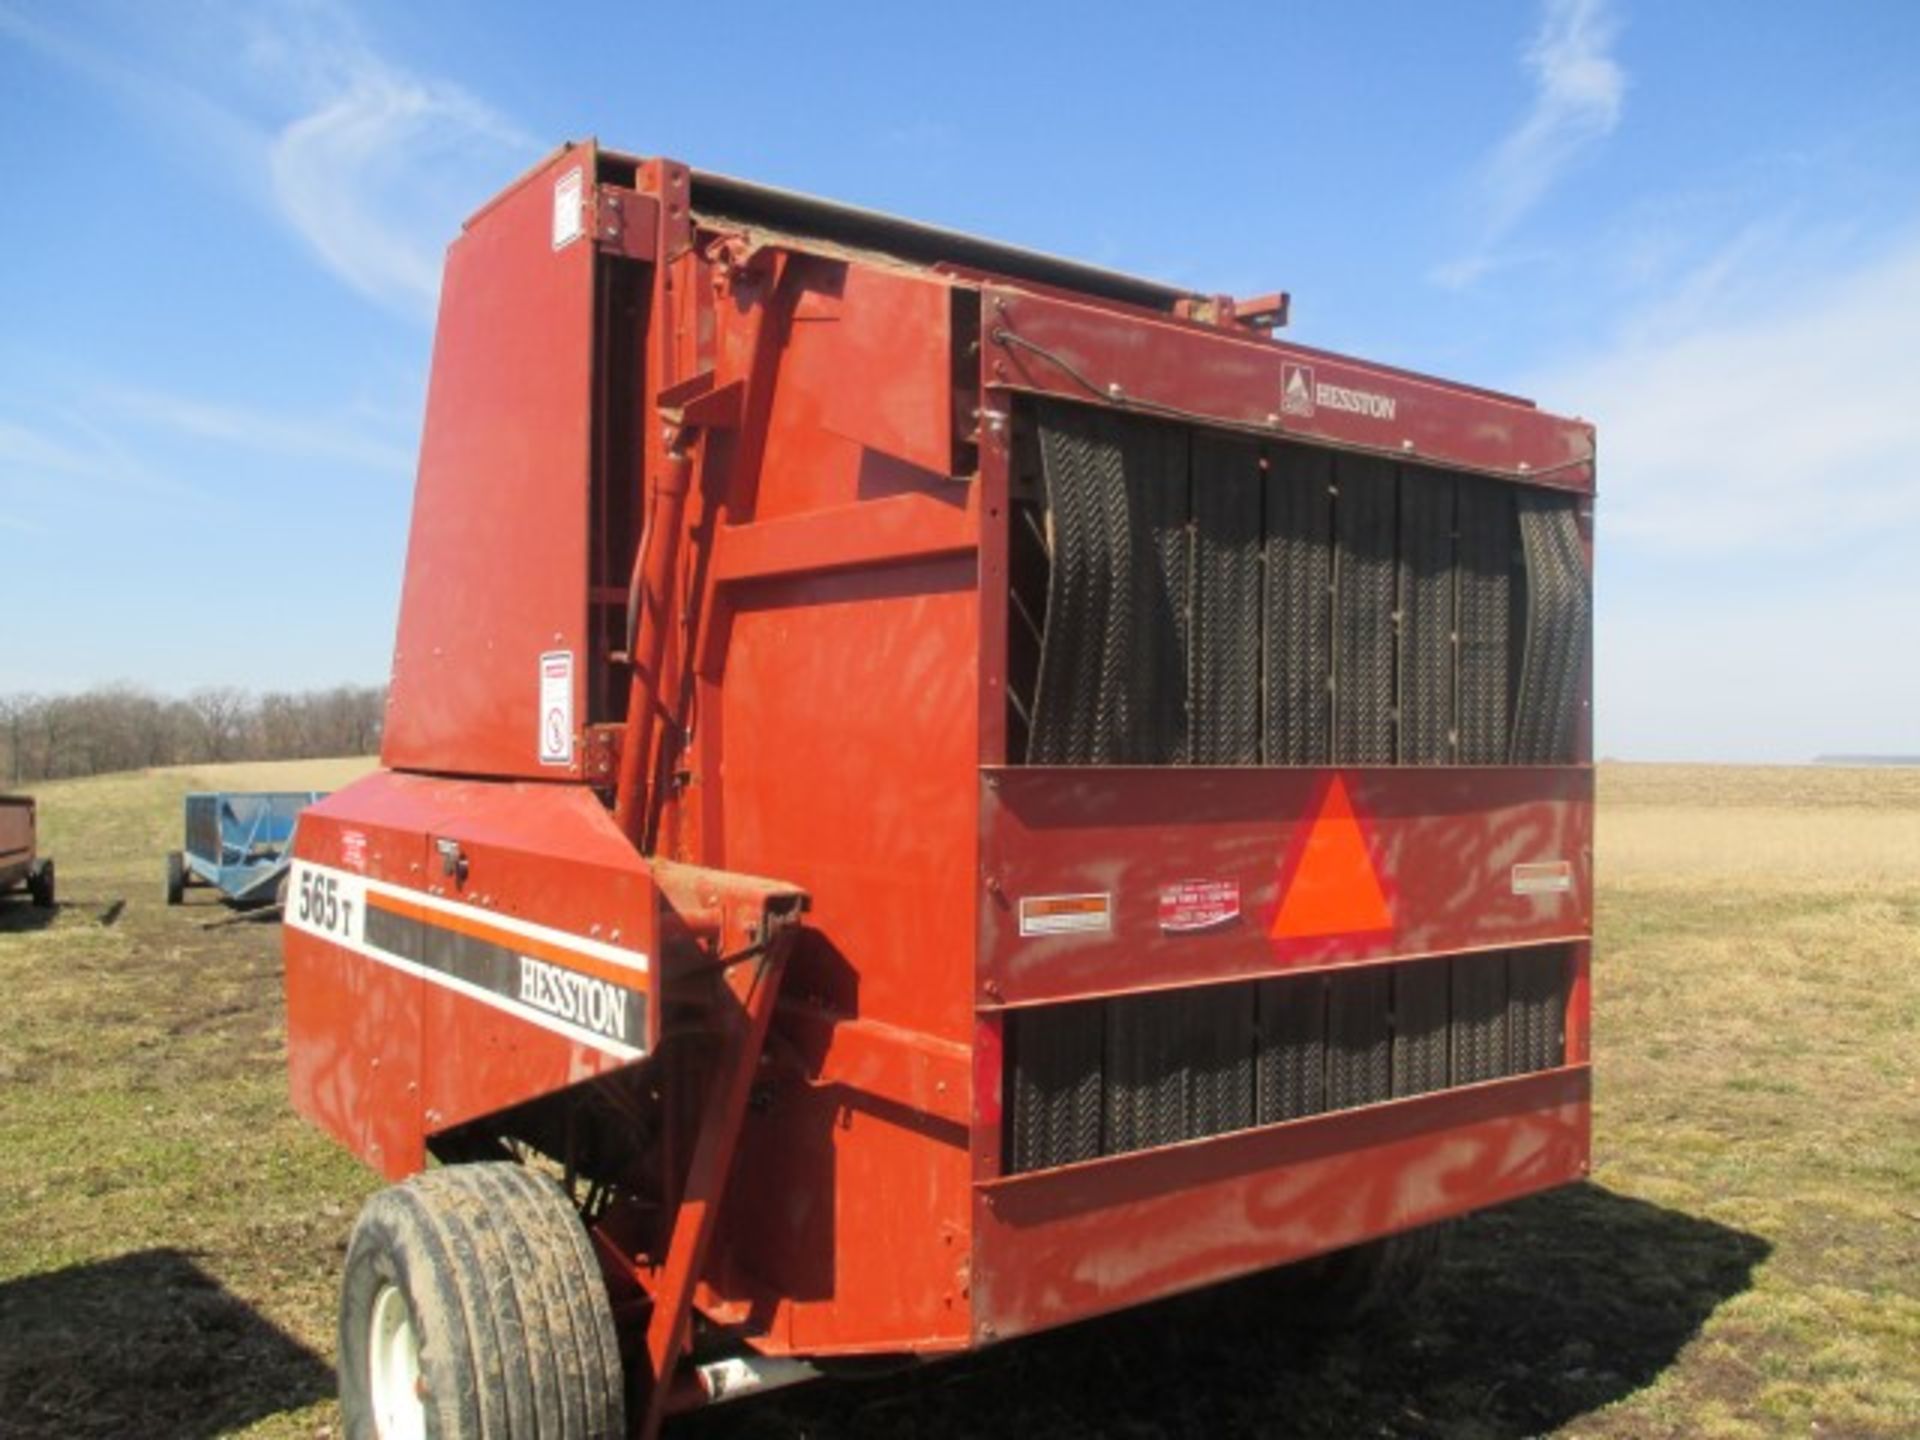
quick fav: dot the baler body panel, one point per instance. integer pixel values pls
(490, 663)
(498, 946)
(1182, 741)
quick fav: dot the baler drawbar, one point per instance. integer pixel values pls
(930, 791)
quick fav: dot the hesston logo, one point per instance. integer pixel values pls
(1301, 394)
(578, 999)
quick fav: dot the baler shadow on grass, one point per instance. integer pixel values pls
(146, 1343)
(1543, 1312)
(18, 914)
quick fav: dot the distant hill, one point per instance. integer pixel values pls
(1866, 759)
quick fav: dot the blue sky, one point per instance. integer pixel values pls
(1698, 225)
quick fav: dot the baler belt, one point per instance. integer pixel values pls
(1054, 1060)
(1299, 607)
(1479, 1018)
(1179, 1063)
(1113, 665)
(1105, 1077)
(1558, 602)
(1537, 983)
(1359, 1038)
(1420, 1006)
(1217, 601)
(1226, 596)
(1427, 660)
(1482, 570)
(1363, 636)
(1291, 1049)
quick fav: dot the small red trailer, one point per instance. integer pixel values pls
(931, 791)
(21, 864)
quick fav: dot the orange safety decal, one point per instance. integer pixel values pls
(1333, 888)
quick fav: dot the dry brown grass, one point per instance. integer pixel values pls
(1746, 1262)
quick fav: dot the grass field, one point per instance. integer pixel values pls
(1745, 1261)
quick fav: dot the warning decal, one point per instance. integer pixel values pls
(1066, 914)
(556, 707)
(1334, 889)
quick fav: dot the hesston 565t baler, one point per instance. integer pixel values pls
(930, 791)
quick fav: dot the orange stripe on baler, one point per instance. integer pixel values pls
(506, 939)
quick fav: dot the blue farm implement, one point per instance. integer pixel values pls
(239, 843)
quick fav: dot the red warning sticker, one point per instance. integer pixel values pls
(1189, 905)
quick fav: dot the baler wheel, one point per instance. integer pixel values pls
(473, 1309)
(40, 885)
(1349, 1287)
(176, 877)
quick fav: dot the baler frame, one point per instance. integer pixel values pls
(669, 327)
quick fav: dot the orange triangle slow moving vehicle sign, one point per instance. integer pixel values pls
(1334, 889)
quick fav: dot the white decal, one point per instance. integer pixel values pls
(1066, 914)
(575, 998)
(329, 903)
(568, 222)
(556, 707)
(1543, 877)
(1302, 394)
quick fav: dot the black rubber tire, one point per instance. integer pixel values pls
(1347, 1288)
(40, 885)
(176, 877)
(507, 1302)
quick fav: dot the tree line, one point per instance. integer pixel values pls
(123, 727)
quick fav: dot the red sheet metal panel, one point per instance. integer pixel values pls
(1445, 850)
(1082, 352)
(1064, 1244)
(457, 947)
(489, 665)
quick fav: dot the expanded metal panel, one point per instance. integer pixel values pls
(1217, 600)
(1105, 1077)
(1226, 596)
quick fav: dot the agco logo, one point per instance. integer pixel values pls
(1296, 389)
(1301, 394)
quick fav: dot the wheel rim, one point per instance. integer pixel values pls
(393, 1368)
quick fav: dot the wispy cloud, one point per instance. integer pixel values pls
(380, 165)
(1731, 427)
(371, 166)
(1578, 91)
(287, 437)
